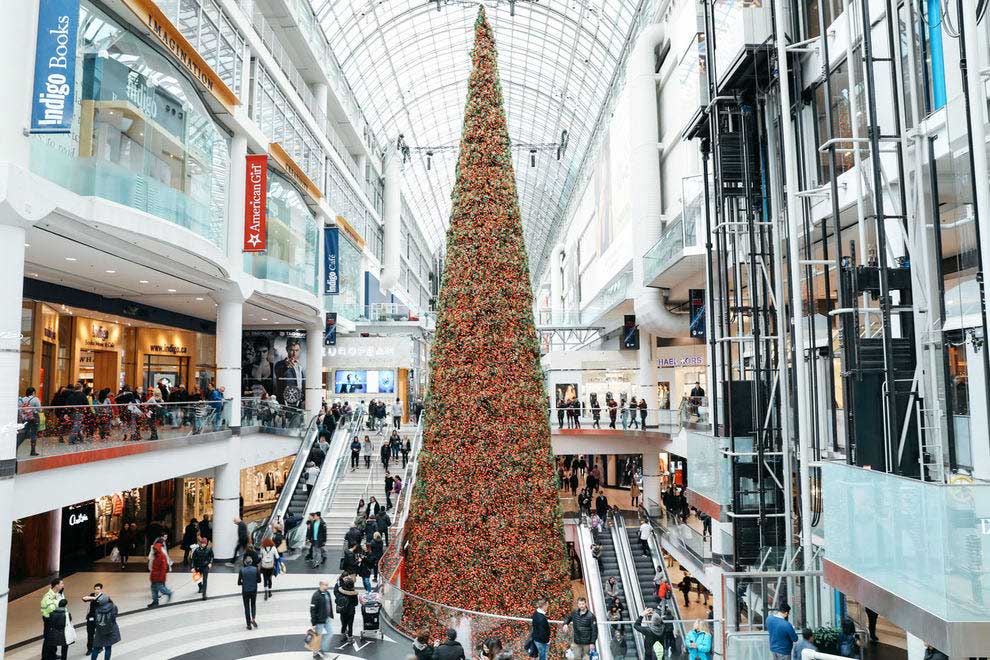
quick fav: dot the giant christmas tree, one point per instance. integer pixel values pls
(485, 529)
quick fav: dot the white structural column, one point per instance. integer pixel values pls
(227, 485)
(651, 474)
(12, 256)
(647, 374)
(17, 28)
(314, 368)
(235, 203)
(391, 261)
(320, 95)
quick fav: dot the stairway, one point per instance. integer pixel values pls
(609, 567)
(358, 484)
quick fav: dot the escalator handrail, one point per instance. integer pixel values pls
(656, 554)
(630, 580)
(325, 488)
(264, 530)
(596, 592)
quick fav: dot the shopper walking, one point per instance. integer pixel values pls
(368, 450)
(320, 615)
(624, 413)
(106, 633)
(242, 540)
(585, 630)
(642, 412)
(685, 586)
(189, 538)
(158, 566)
(248, 578)
(54, 643)
(386, 455)
(422, 648)
(406, 450)
(699, 642)
(633, 417)
(397, 414)
(389, 483)
(355, 453)
(29, 414)
(540, 631)
(202, 563)
(91, 615)
(346, 599)
(316, 537)
(645, 532)
(269, 555)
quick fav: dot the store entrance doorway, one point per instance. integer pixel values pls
(47, 371)
(104, 370)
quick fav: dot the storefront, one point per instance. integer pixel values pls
(197, 499)
(261, 486)
(383, 368)
(65, 344)
(679, 369)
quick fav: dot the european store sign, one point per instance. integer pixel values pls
(55, 66)
(255, 204)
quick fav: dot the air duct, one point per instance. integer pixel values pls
(392, 216)
(652, 315)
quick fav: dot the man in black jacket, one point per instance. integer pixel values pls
(91, 616)
(352, 537)
(541, 629)
(389, 484)
(242, 540)
(202, 561)
(451, 649)
(316, 536)
(320, 614)
(585, 630)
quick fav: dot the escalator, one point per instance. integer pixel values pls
(645, 569)
(609, 567)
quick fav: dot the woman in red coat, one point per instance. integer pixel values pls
(159, 566)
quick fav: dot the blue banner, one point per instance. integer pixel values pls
(55, 67)
(331, 257)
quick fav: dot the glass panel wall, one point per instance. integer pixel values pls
(292, 239)
(140, 136)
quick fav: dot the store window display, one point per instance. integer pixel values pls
(115, 510)
(261, 486)
(141, 136)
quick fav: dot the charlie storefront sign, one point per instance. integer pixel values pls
(55, 66)
(255, 204)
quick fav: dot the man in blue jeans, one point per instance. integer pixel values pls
(781, 632)
(541, 628)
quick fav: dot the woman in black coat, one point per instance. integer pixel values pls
(54, 637)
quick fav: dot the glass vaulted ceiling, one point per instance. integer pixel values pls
(408, 64)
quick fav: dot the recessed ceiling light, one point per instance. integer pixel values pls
(276, 322)
(33, 274)
(198, 298)
(263, 318)
(27, 245)
(70, 259)
(110, 272)
(142, 281)
(171, 290)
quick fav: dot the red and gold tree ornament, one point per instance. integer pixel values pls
(485, 532)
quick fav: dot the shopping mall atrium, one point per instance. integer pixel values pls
(442, 329)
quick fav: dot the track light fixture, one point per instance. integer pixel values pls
(429, 160)
(532, 157)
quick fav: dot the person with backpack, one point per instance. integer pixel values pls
(269, 555)
(202, 561)
(248, 578)
(106, 633)
(320, 614)
(848, 644)
(29, 414)
(650, 626)
(346, 600)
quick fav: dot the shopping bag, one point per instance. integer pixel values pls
(70, 632)
(42, 421)
(115, 555)
(312, 640)
(197, 577)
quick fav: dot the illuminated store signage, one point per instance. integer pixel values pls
(77, 519)
(331, 241)
(255, 204)
(97, 335)
(687, 361)
(55, 67)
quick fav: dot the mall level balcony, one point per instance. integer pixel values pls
(917, 552)
(709, 473)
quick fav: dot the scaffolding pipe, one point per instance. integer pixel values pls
(803, 423)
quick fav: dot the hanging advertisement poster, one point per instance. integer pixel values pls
(696, 304)
(256, 204)
(272, 363)
(330, 330)
(55, 67)
(331, 242)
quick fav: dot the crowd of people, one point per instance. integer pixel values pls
(77, 414)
